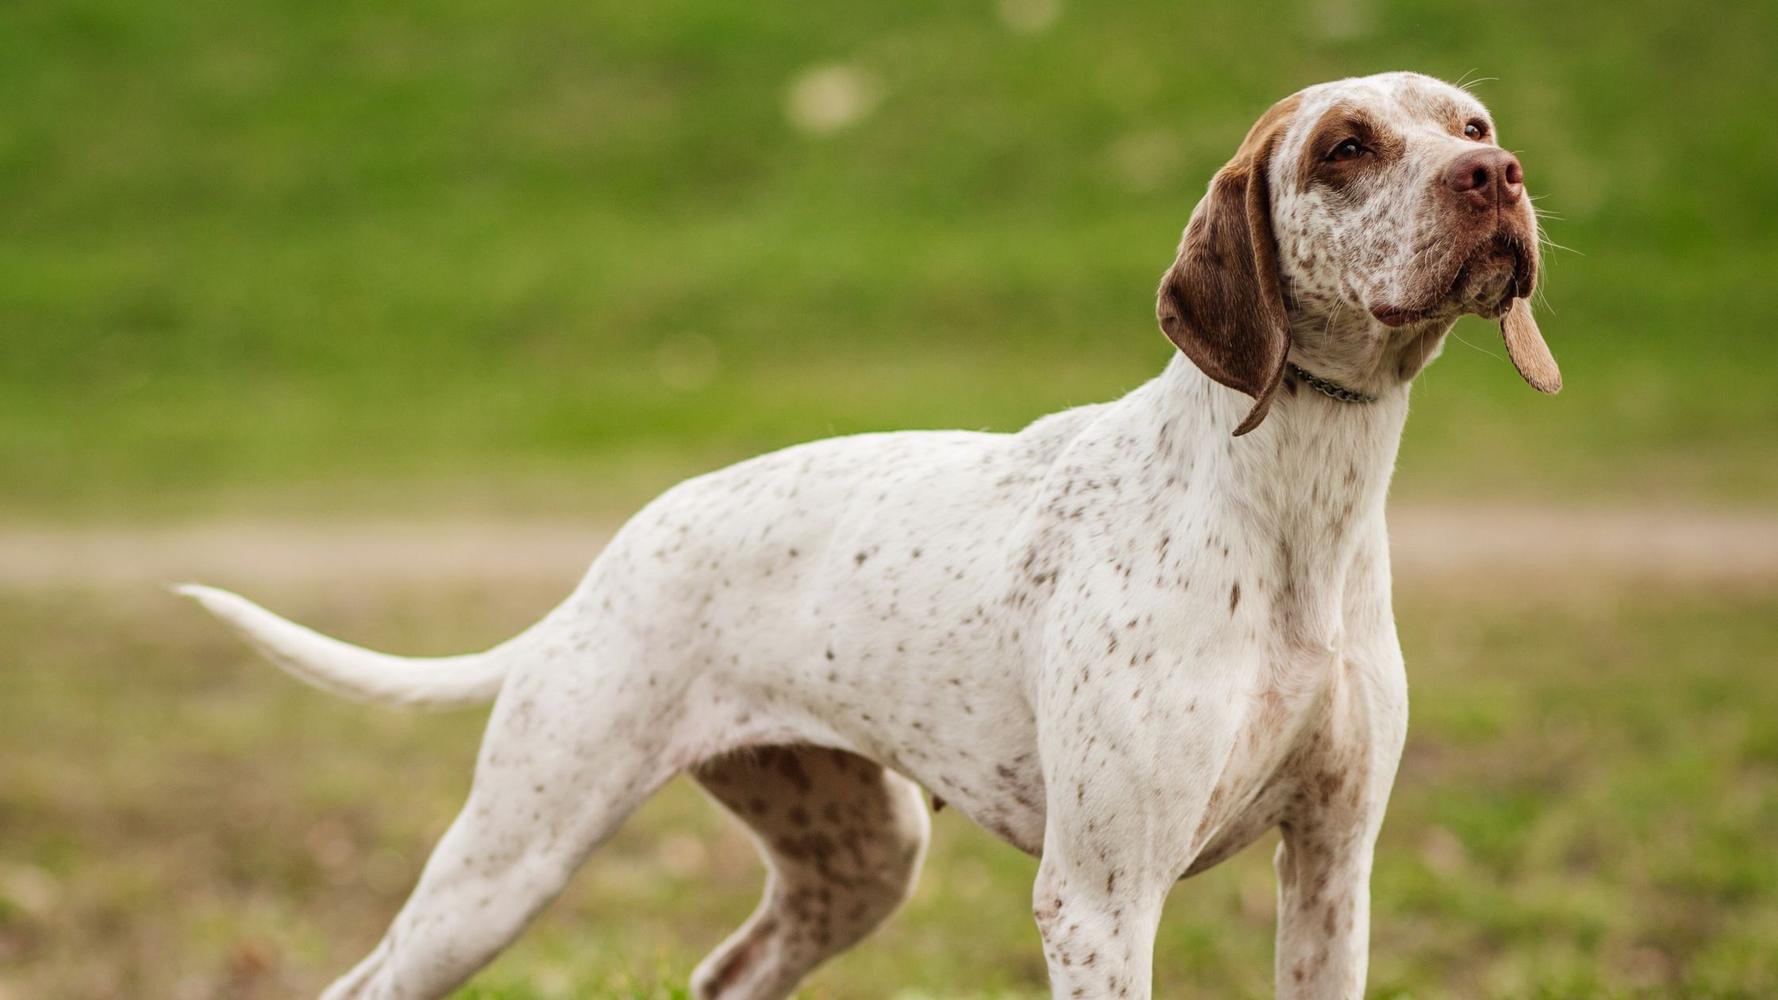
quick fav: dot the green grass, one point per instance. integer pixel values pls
(1586, 808)
(312, 256)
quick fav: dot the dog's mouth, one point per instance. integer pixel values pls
(1485, 283)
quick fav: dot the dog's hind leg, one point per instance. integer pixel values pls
(566, 758)
(842, 839)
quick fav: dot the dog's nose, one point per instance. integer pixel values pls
(1486, 177)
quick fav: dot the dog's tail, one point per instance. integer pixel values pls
(357, 673)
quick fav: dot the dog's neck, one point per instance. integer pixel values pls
(1300, 491)
(1354, 350)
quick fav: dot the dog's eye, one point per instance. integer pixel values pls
(1351, 149)
(1477, 130)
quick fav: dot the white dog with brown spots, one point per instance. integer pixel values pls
(1130, 638)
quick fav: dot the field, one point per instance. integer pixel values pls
(264, 256)
(417, 302)
(1586, 808)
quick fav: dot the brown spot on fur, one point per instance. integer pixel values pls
(791, 766)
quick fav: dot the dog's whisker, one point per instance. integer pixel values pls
(1458, 337)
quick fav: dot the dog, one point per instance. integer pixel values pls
(1129, 639)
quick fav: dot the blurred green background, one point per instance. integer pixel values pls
(456, 266)
(547, 256)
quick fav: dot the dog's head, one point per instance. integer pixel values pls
(1353, 226)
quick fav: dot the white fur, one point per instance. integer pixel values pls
(1119, 638)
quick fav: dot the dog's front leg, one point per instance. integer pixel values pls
(1323, 910)
(1117, 836)
(1098, 936)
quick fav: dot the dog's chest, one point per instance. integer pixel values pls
(1318, 771)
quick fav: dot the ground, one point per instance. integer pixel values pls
(1586, 805)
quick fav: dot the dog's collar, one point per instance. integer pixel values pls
(1329, 388)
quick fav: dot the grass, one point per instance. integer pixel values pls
(281, 255)
(1585, 808)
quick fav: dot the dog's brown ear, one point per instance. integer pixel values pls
(1524, 344)
(1221, 302)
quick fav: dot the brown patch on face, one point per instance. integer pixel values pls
(1342, 122)
(1222, 303)
(1438, 104)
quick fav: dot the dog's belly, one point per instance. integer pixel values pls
(985, 770)
(1003, 796)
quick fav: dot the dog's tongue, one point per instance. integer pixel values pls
(1530, 355)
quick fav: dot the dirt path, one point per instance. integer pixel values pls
(1527, 545)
